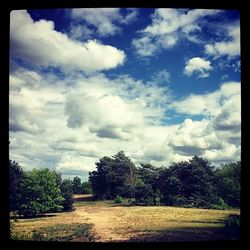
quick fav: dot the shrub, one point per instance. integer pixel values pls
(118, 199)
(221, 205)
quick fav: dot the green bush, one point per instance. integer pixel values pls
(221, 205)
(118, 200)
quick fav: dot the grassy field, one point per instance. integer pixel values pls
(104, 221)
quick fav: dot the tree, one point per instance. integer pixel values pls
(114, 176)
(144, 194)
(228, 182)
(100, 178)
(16, 176)
(67, 193)
(189, 184)
(149, 175)
(40, 193)
(77, 186)
(86, 188)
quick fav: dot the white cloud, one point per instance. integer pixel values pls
(218, 137)
(161, 77)
(229, 47)
(72, 162)
(112, 115)
(168, 27)
(80, 32)
(210, 103)
(106, 21)
(199, 66)
(39, 44)
(108, 116)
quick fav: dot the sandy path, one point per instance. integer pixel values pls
(106, 222)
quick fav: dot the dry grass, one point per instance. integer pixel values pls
(135, 223)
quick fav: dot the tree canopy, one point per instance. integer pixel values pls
(114, 176)
(228, 182)
(39, 193)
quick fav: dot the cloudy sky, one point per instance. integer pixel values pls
(160, 84)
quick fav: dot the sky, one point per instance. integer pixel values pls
(162, 85)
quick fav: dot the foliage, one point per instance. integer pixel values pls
(149, 175)
(189, 184)
(39, 193)
(118, 199)
(114, 176)
(144, 195)
(16, 176)
(67, 193)
(228, 182)
(86, 188)
(77, 186)
(220, 205)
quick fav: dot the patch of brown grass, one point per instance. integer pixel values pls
(135, 223)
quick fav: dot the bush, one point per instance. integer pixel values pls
(221, 205)
(118, 199)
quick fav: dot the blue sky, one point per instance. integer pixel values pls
(160, 84)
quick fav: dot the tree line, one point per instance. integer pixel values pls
(193, 183)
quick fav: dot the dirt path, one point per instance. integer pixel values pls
(105, 221)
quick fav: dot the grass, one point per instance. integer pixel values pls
(58, 232)
(106, 221)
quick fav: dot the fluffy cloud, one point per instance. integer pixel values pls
(198, 66)
(210, 103)
(68, 125)
(40, 44)
(167, 27)
(229, 47)
(106, 21)
(217, 137)
(108, 116)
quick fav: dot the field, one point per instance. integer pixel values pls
(104, 221)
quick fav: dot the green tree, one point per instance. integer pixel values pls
(114, 176)
(228, 182)
(67, 193)
(16, 176)
(40, 193)
(189, 183)
(86, 188)
(77, 186)
(100, 178)
(144, 195)
(148, 174)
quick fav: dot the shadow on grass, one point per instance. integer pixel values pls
(229, 231)
(33, 216)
